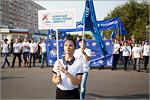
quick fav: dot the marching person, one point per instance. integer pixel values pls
(43, 52)
(126, 53)
(11, 47)
(32, 51)
(25, 50)
(84, 55)
(17, 49)
(146, 54)
(38, 50)
(116, 47)
(136, 55)
(5, 50)
(67, 73)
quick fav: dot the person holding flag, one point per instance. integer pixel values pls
(84, 55)
(67, 73)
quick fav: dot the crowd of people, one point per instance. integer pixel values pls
(25, 51)
(133, 52)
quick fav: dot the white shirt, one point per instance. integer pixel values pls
(126, 50)
(115, 47)
(74, 69)
(146, 50)
(17, 47)
(5, 48)
(80, 56)
(43, 46)
(136, 52)
(25, 46)
(32, 47)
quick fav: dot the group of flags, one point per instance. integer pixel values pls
(89, 22)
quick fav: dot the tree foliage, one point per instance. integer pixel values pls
(135, 18)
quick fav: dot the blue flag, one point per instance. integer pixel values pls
(113, 33)
(89, 19)
(62, 35)
(102, 34)
(122, 30)
(49, 34)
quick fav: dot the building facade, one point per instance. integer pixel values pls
(20, 14)
(17, 16)
(0, 11)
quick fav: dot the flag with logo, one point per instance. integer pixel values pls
(89, 19)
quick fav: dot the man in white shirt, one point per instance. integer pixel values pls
(116, 47)
(33, 50)
(17, 49)
(126, 53)
(146, 54)
(43, 52)
(25, 50)
(5, 50)
(136, 55)
(84, 55)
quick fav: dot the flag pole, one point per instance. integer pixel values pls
(83, 34)
(58, 74)
(57, 44)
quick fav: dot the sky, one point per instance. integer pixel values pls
(102, 8)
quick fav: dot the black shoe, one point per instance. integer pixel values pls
(112, 69)
(12, 66)
(41, 66)
(138, 70)
(29, 67)
(2, 67)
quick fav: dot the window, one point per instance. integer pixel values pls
(4, 36)
(14, 37)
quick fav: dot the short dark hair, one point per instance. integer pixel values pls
(81, 40)
(73, 40)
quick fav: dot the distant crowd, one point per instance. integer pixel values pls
(27, 50)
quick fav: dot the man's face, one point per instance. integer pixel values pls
(80, 44)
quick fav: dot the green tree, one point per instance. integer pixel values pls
(135, 18)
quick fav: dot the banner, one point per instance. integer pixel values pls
(56, 19)
(102, 25)
(108, 24)
(97, 58)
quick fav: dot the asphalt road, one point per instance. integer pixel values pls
(35, 83)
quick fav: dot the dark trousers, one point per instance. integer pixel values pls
(125, 62)
(146, 59)
(5, 60)
(39, 56)
(44, 57)
(25, 55)
(14, 58)
(67, 94)
(115, 60)
(34, 58)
